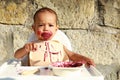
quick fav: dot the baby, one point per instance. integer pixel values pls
(46, 50)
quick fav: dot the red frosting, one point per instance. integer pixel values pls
(45, 35)
(67, 64)
(38, 32)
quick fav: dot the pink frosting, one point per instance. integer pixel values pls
(67, 64)
(46, 35)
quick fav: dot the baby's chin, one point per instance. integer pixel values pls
(46, 39)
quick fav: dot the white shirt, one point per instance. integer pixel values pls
(59, 36)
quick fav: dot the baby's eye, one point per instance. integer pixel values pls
(51, 25)
(40, 25)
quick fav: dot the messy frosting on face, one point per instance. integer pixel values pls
(46, 35)
(45, 25)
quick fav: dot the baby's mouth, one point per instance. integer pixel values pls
(46, 35)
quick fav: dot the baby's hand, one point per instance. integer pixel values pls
(88, 62)
(30, 47)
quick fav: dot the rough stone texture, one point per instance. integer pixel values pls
(15, 11)
(11, 38)
(9, 12)
(92, 26)
(102, 47)
(77, 14)
(119, 75)
(110, 13)
(20, 35)
(6, 43)
(110, 72)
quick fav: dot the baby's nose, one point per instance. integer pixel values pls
(46, 27)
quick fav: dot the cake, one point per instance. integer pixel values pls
(46, 53)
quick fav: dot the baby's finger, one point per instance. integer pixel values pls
(30, 46)
(90, 62)
(26, 47)
(34, 47)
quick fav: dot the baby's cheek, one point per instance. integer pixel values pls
(38, 32)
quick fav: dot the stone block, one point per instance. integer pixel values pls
(110, 72)
(103, 48)
(6, 43)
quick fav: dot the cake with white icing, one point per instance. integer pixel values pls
(46, 53)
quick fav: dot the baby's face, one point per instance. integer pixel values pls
(45, 25)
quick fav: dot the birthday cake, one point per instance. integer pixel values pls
(47, 52)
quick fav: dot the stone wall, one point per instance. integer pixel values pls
(93, 26)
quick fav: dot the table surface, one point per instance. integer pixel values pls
(9, 71)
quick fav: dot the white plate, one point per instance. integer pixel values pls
(65, 71)
(67, 68)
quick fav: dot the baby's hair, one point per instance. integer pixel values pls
(44, 9)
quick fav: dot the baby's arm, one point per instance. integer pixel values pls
(25, 50)
(77, 57)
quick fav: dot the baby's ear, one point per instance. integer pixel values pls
(57, 26)
(33, 27)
